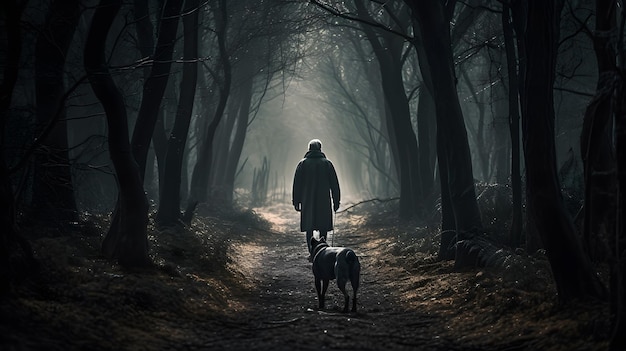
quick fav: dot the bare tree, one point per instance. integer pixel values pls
(572, 270)
(169, 200)
(127, 238)
(53, 191)
(435, 33)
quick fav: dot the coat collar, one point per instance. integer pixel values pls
(314, 154)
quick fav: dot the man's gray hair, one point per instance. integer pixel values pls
(315, 144)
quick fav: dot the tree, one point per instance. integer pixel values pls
(199, 186)
(53, 191)
(127, 238)
(169, 200)
(155, 84)
(388, 49)
(9, 236)
(515, 236)
(453, 148)
(572, 270)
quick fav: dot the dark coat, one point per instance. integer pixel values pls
(314, 182)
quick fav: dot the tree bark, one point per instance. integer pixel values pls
(596, 144)
(435, 33)
(388, 51)
(53, 191)
(9, 235)
(155, 85)
(572, 270)
(127, 238)
(515, 235)
(200, 175)
(245, 99)
(169, 200)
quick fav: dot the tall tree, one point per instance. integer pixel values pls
(53, 191)
(389, 53)
(155, 84)
(199, 186)
(169, 199)
(515, 235)
(597, 150)
(453, 146)
(9, 237)
(127, 238)
(572, 270)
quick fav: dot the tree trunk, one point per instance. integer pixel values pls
(245, 99)
(53, 191)
(169, 200)
(604, 10)
(618, 286)
(572, 270)
(435, 33)
(596, 143)
(155, 85)
(515, 235)
(9, 235)
(426, 127)
(127, 238)
(200, 177)
(388, 51)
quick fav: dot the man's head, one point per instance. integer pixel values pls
(315, 144)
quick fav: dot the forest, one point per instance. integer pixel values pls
(148, 150)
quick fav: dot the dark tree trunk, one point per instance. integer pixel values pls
(53, 191)
(605, 10)
(9, 236)
(482, 152)
(426, 127)
(435, 33)
(145, 32)
(618, 286)
(127, 238)
(515, 235)
(155, 85)
(234, 154)
(223, 144)
(200, 176)
(572, 270)
(169, 200)
(519, 15)
(596, 143)
(388, 51)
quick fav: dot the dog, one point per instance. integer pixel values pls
(335, 263)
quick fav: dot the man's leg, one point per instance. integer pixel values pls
(309, 235)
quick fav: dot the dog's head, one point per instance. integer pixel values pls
(317, 245)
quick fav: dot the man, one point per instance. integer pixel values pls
(314, 182)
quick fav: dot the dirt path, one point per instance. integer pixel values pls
(220, 285)
(282, 311)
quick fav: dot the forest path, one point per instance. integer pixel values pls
(281, 311)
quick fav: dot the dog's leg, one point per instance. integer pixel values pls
(324, 288)
(355, 287)
(341, 283)
(320, 296)
(355, 276)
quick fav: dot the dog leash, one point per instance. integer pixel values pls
(332, 238)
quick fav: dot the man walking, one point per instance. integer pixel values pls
(314, 182)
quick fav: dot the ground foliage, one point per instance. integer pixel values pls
(234, 281)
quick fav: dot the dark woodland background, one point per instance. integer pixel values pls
(502, 123)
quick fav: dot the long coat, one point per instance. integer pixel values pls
(313, 183)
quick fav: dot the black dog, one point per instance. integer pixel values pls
(335, 262)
